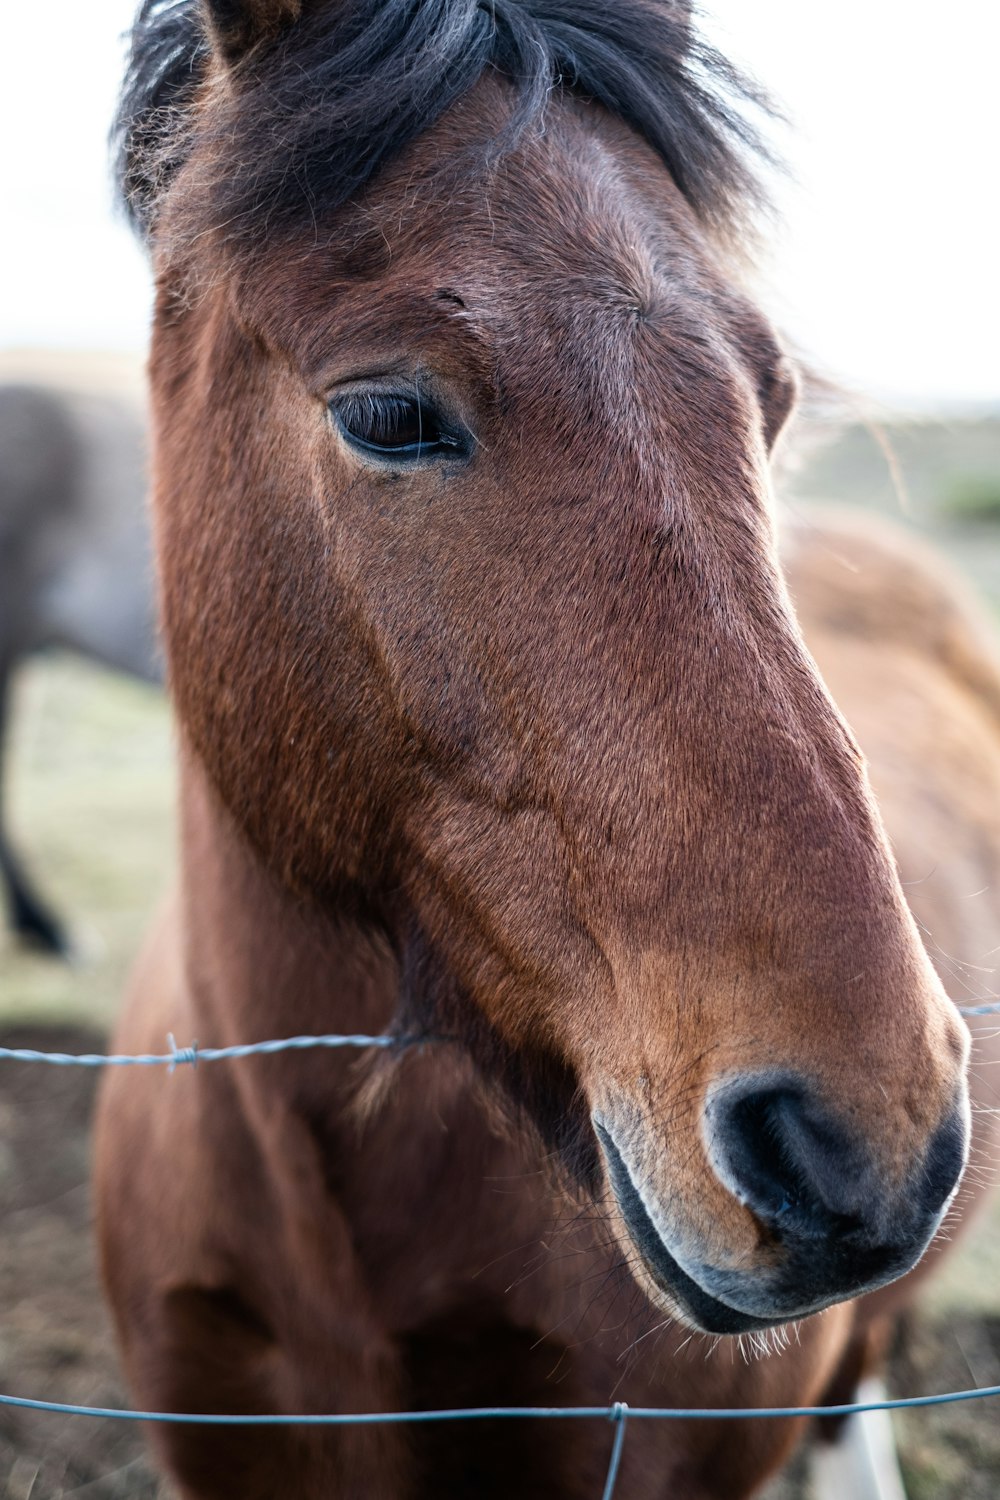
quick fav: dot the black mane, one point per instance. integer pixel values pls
(314, 114)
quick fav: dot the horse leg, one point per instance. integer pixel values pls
(33, 921)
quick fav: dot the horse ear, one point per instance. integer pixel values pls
(237, 25)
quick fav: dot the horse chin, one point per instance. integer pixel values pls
(689, 1303)
(657, 1270)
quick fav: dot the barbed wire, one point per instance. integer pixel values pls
(194, 1054)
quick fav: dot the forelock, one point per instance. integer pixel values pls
(307, 118)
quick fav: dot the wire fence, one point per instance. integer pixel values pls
(194, 1054)
(618, 1413)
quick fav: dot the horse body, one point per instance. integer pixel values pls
(497, 728)
(75, 565)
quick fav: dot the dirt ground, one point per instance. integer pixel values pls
(55, 1338)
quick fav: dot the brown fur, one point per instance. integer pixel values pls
(530, 755)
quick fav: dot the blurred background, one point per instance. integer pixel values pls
(881, 272)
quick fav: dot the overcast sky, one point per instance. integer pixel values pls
(885, 271)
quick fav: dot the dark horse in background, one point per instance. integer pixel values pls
(75, 567)
(497, 726)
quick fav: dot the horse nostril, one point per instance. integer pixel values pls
(781, 1154)
(804, 1175)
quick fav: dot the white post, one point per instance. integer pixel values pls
(862, 1464)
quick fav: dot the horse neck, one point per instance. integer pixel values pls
(261, 963)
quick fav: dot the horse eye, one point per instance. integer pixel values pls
(398, 427)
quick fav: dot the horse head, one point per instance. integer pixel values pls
(475, 620)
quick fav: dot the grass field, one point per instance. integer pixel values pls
(89, 788)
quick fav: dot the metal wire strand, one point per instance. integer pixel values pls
(195, 1054)
(177, 1056)
(616, 1413)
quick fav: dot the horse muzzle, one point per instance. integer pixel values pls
(825, 1227)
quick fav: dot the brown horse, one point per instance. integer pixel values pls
(496, 727)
